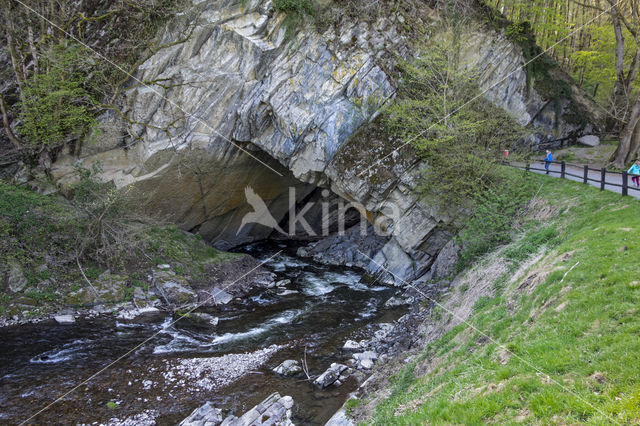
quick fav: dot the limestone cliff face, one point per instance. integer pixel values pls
(499, 64)
(238, 105)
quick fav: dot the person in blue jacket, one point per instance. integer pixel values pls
(635, 171)
(547, 161)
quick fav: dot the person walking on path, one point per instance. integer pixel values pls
(635, 171)
(547, 161)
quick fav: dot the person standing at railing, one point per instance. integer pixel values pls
(547, 161)
(635, 171)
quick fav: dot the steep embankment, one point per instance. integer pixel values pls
(542, 330)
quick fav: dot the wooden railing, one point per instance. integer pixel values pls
(584, 173)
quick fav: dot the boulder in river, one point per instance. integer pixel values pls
(351, 345)
(65, 319)
(220, 297)
(290, 367)
(365, 360)
(395, 302)
(205, 415)
(335, 373)
(274, 410)
(202, 319)
(174, 289)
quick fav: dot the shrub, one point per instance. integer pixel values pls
(58, 103)
(296, 10)
(460, 135)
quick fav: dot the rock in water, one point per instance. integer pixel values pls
(173, 288)
(205, 415)
(395, 302)
(337, 373)
(290, 367)
(365, 360)
(351, 345)
(283, 283)
(220, 297)
(273, 411)
(65, 319)
(202, 319)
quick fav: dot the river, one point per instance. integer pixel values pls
(324, 307)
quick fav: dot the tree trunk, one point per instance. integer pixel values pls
(7, 125)
(618, 89)
(635, 144)
(624, 151)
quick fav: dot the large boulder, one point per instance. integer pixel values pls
(107, 288)
(334, 375)
(589, 140)
(207, 415)
(173, 289)
(275, 410)
(290, 367)
(16, 281)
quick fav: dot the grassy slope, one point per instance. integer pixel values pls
(38, 233)
(573, 345)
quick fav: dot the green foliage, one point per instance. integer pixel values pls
(579, 37)
(461, 137)
(296, 11)
(105, 236)
(58, 103)
(538, 64)
(491, 223)
(351, 404)
(531, 243)
(45, 237)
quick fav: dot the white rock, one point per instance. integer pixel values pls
(366, 355)
(367, 364)
(65, 319)
(351, 345)
(589, 140)
(221, 297)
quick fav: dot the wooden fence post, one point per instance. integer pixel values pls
(603, 177)
(586, 174)
(625, 184)
(563, 168)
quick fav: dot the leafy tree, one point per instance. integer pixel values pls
(460, 134)
(598, 43)
(58, 103)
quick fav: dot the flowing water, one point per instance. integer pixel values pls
(40, 363)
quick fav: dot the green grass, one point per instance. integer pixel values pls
(39, 236)
(582, 332)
